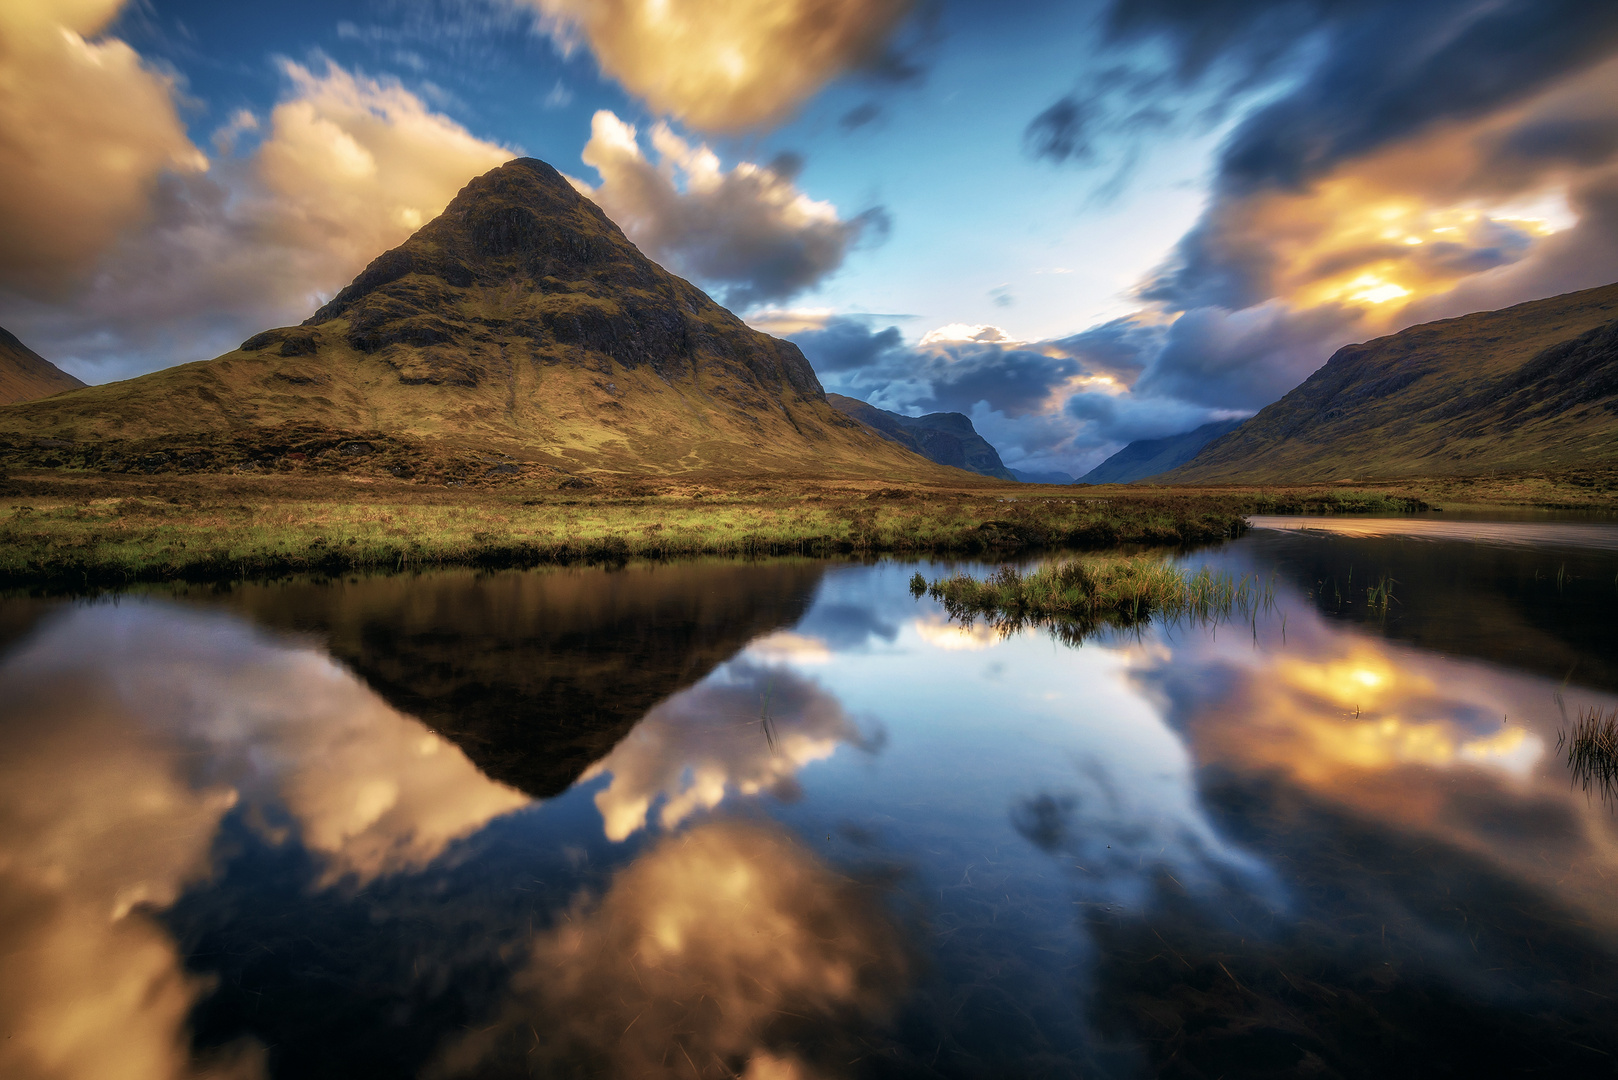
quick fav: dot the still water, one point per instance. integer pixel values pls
(783, 820)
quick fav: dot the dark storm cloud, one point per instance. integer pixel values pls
(1015, 382)
(1379, 72)
(1063, 132)
(1243, 360)
(849, 344)
(859, 116)
(1119, 349)
(853, 358)
(1111, 420)
(1032, 408)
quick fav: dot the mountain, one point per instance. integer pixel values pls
(1041, 477)
(1148, 457)
(26, 375)
(519, 331)
(1528, 388)
(537, 675)
(947, 438)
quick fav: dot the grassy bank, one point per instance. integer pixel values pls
(69, 529)
(1077, 597)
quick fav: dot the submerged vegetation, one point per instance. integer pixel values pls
(73, 529)
(1075, 598)
(1591, 746)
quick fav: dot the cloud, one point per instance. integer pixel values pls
(726, 67)
(86, 130)
(1419, 149)
(730, 943)
(346, 167)
(1064, 403)
(1391, 164)
(749, 231)
(699, 745)
(131, 732)
(859, 116)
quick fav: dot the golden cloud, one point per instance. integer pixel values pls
(111, 719)
(352, 166)
(749, 229)
(704, 743)
(346, 168)
(728, 950)
(85, 130)
(1418, 742)
(726, 66)
(1387, 234)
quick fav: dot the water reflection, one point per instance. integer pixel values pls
(747, 729)
(535, 675)
(727, 951)
(1338, 845)
(128, 734)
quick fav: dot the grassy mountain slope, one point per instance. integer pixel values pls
(1148, 457)
(520, 328)
(1530, 388)
(26, 375)
(946, 438)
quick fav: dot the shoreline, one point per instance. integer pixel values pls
(66, 530)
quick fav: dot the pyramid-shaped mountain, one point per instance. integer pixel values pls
(521, 327)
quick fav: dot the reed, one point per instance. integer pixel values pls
(1075, 598)
(1591, 748)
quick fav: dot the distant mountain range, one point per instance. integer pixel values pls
(518, 332)
(947, 438)
(25, 375)
(1528, 388)
(1148, 457)
(1042, 477)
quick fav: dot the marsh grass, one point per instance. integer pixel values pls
(81, 530)
(1076, 598)
(1591, 749)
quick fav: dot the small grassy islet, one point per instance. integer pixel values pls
(1078, 597)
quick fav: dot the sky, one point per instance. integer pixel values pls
(1080, 223)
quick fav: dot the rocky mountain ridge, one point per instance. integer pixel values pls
(1145, 458)
(519, 331)
(946, 438)
(1529, 388)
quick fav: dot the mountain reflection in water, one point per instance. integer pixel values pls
(783, 820)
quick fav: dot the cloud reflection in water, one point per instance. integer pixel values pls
(725, 950)
(128, 733)
(747, 728)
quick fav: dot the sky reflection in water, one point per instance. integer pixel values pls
(871, 842)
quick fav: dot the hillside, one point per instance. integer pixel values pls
(1530, 388)
(1148, 457)
(26, 375)
(946, 438)
(519, 332)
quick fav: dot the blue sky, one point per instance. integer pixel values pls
(1080, 223)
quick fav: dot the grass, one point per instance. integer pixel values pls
(1591, 747)
(1075, 598)
(77, 529)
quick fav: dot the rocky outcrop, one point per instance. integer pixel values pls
(947, 438)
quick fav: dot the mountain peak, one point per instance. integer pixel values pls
(522, 222)
(520, 322)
